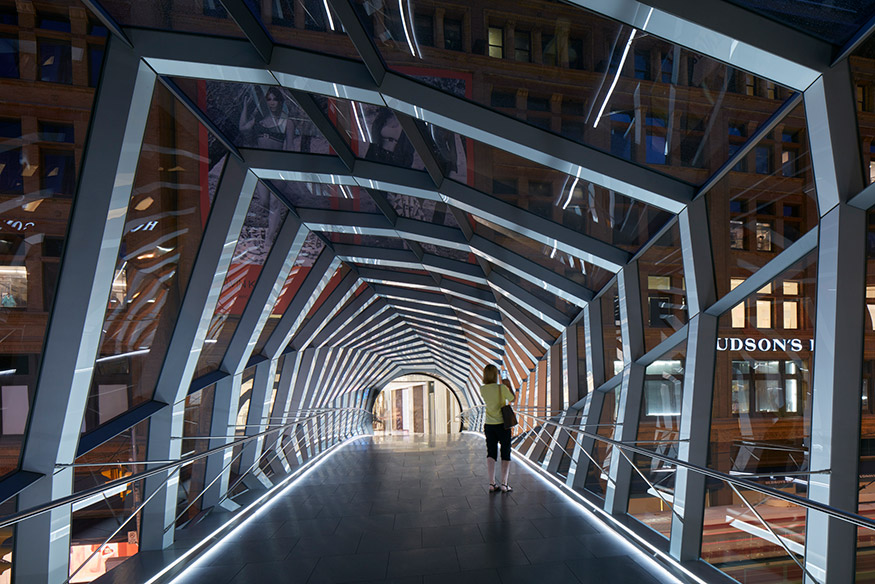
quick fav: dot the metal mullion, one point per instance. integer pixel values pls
(257, 420)
(325, 126)
(280, 411)
(356, 306)
(324, 314)
(522, 297)
(526, 322)
(363, 319)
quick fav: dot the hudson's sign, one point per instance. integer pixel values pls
(748, 344)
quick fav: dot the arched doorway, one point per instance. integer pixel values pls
(417, 403)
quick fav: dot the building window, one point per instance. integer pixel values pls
(575, 53)
(95, 63)
(10, 171)
(283, 13)
(737, 314)
(314, 15)
(771, 90)
(862, 94)
(736, 234)
(423, 28)
(52, 132)
(548, 50)
(506, 99)
(10, 128)
(763, 155)
(656, 143)
(55, 23)
(452, 34)
(9, 17)
(9, 58)
(56, 61)
(764, 236)
(764, 313)
(538, 104)
(496, 42)
(97, 29)
(741, 165)
(59, 172)
(750, 87)
(522, 46)
(621, 141)
(642, 65)
(666, 67)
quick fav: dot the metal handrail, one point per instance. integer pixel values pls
(82, 495)
(848, 517)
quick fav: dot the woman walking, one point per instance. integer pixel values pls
(495, 395)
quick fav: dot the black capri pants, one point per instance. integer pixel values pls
(496, 433)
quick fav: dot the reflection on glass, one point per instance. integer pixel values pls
(198, 417)
(577, 74)
(174, 186)
(612, 334)
(208, 15)
(601, 213)
(326, 196)
(262, 224)
(597, 474)
(652, 495)
(311, 249)
(256, 116)
(834, 22)
(866, 501)
(40, 137)
(663, 290)
(367, 240)
(760, 422)
(753, 221)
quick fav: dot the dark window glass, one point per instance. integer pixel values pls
(540, 189)
(59, 172)
(214, 8)
(314, 15)
(735, 206)
(575, 53)
(56, 61)
(737, 130)
(642, 65)
(452, 34)
(660, 310)
(8, 58)
(95, 62)
(50, 283)
(788, 163)
(254, 6)
(97, 29)
(763, 160)
(666, 68)
(52, 246)
(52, 132)
(424, 29)
(10, 128)
(572, 107)
(656, 147)
(741, 166)
(790, 136)
(574, 130)
(522, 46)
(54, 23)
(538, 104)
(283, 12)
(503, 99)
(8, 17)
(548, 49)
(621, 141)
(10, 171)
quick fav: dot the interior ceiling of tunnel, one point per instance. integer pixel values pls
(373, 158)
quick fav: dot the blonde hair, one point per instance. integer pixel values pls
(490, 374)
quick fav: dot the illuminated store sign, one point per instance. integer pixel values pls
(749, 344)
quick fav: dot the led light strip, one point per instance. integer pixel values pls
(601, 516)
(301, 473)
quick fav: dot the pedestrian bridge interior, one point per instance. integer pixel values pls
(255, 254)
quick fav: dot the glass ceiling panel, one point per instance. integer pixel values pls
(304, 195)
(539, 292)
(335, 280)
(262, 224)
(371, 131)
(573, 268)
(366, 240)
(577, 74)
(174, 186)
(304, 24)
(256, 116)
(832, 21)
(596, 211)
(764, 204)
(862, 62)
(422, 209)
(447, 252)
(206, 17)
(311, 249)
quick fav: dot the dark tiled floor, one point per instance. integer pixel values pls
(416, 510)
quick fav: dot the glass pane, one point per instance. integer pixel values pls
(591, 79)
(540, 293)
(207, 16)
(834, 22)
(597, 474)
(367, 240)
(612, 334)
(575, 203)
(866, 538)
(198, 418)
(311, 249)
(861, 61)
(448, 252)
(753, 219)
(303, 195)
(571, 267)
(373, 132)
(663, 290)
(304, 24)
(256, 116)
(262, 224)
(174, 187)
(651, 499)
(41, 143)
(422, 209)
(760, 424)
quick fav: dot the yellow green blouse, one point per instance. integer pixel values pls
(495, 395)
